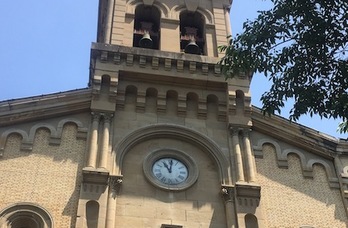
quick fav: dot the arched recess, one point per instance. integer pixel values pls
(176, 11)
(330, 172)
(151, 100)
(251, 221)
(306, 164)
(212, 106)
(132, 5)
(27, 215)
(172, 102)
(5, 135)
(92, 214)
(176, 132)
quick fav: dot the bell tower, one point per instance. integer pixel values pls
(169, 142)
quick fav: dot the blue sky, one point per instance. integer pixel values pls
(45, 47)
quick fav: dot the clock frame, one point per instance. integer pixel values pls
(165, 155)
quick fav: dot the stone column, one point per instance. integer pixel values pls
(228, 197)
(109, 19)
(227, 22)
(105, 142)
(238, 155)
(114, 187)
(249, 156)
(93, 141)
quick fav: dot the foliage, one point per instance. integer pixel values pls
(301, 46)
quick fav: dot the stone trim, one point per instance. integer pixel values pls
(306, 163)
(27, 210)
(156, 59)
(55, 138)
(173, 131)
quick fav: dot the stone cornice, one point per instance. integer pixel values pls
(296, 134)
(159, 62)
(44, 106)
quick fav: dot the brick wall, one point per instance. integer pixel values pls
(48, 175)
(290, 200)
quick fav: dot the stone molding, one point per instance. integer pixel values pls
(306, 163)
(45, 106)
(55, 137)
(26, 210)
(177, 132)
(95, 176)
(156, 59)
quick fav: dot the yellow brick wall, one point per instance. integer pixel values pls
(48, 175)
(290, 200)
(140, 204)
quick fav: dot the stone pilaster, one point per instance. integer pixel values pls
(93, 141)
(114, 187)
(228, 196)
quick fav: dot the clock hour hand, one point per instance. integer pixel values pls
(165, 165)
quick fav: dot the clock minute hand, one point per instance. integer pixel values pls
(171, 165)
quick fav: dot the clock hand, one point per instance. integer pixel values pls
(165, 165)
(171, 165)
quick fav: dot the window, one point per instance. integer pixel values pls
(25, 215)
(192, 33)
(147, 27)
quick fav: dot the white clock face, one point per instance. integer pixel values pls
(170, 171)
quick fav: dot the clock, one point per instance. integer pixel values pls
(170, 169)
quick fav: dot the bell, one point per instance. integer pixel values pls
(146, 41)
(192, 48)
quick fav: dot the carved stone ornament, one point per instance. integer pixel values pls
(227, 193)
(115, 182)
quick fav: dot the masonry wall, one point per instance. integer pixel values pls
(141, 204)
(47, 175)
(291, 200)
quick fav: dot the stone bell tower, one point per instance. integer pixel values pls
(169, 141)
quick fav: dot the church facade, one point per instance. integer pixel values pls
(160, 139)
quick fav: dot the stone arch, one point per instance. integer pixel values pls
(177, 132)
(176, 11)
(28, 214)
(212, 106)
(330, 173)
(6, 134)
(284, 157)
(132, 5)
(258, 148)
(80, 128)
(306, 164)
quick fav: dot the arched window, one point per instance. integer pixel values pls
(192, 30)
(251, 221)
(25, 215)
(92, 214)
(147, 27)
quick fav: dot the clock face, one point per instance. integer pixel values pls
(170, 171)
